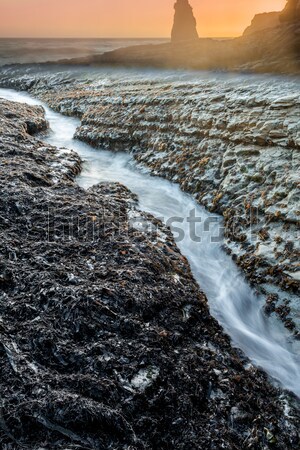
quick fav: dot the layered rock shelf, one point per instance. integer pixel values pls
(105, 339)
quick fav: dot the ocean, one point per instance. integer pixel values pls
(25, 51)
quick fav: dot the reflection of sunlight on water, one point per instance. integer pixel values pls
(265, 341)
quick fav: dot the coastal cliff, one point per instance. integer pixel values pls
(262, 22)
(291, 13)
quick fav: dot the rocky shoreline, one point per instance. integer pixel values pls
(232, 143)
(106, 340)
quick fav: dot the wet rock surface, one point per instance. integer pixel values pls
(105, 339)
(232, 143)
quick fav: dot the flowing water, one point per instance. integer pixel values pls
(232, 302)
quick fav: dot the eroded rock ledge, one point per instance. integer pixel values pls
(233, 142)
(105, 339)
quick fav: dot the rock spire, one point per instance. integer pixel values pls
(185, 27)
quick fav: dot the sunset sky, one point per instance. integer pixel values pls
(124, 18)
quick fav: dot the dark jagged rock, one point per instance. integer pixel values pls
(291, 12)
(185, 27)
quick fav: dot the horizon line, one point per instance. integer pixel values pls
(109, 38)
(80, 37)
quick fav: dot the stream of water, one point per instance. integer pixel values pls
(232, 301)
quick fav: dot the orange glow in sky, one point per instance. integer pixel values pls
(124, 18)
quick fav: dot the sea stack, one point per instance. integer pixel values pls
(291, 12)
(185, 26)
